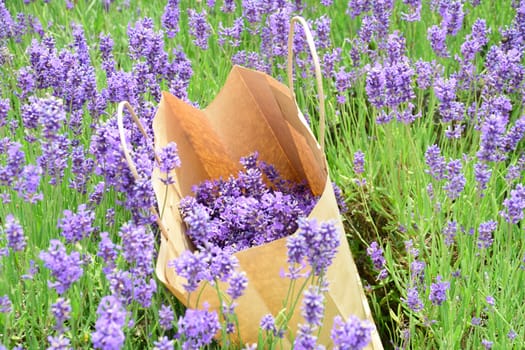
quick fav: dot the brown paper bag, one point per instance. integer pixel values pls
(252, 112)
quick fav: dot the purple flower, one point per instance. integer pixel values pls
(412, 300)
(375, 86)
(238, 283)
(450, 232)
(476, 40)
(343, 82)
(304, 339)
(438, 291)
(163, 343)
(487, 344)
(453, 17)
(504, 72)
(417, 270)
(359, 162)
(199, 28)
(492, 137)
(437, 37)
(170, 18)
(415, 11)
(197, 328)
(107, 250)
(192, 267)
(138, 248)
(490, 300)
(485, 233)
(251, 10)
(352, 334)
(109, 334)
(268, 323)
(61, 310)
(375, 252)
(231, 34)
(76, 227)
(14, 232)
(169, 160)
(65, 268)
(514, 205)
(514, 135)
(59, 342)
(425, 74)
(228, 6)
(166, 317)
(435, 162)
(313, 306)
(482, 174)
(317, 244)
(4, 109)
(5, 304)
(456, 181)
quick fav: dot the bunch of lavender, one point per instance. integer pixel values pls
(254, 208)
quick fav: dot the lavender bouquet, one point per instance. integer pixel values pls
(253, 208)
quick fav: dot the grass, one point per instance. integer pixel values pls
(392, 208)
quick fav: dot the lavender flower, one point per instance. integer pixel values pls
(352, 334)
(108, 334)
(163, 344)
(514, 205)
(228, 6)
(437, 37)
(412, 300)
(438, 291)
(107, 250)
(487, 344)
(450, 232)
(76, 227)
(453, 17)
(14, 232)
(304, 339)
(138, 248)
(192, 267)
(456, 181)
(197, 328)
(435, 162)
(359, 162)
(492, 137)
(476, 40)
(482, 174)
(166, 317)
(61, 310)
(170, 18)
(59, 342)
(65, 268)
(317, 244)
(267, 324)
(514, 135)
(238, 283)
(5, 304)
(376, 254)
(425, 74)
(485, 233)
(313, 306)
(169, 160)
(199, 28)
(375, 86)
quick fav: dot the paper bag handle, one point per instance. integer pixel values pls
(317, 66)
(127, 154)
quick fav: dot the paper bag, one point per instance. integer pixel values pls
(252, 112)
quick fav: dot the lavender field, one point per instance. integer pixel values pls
(424, 140)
